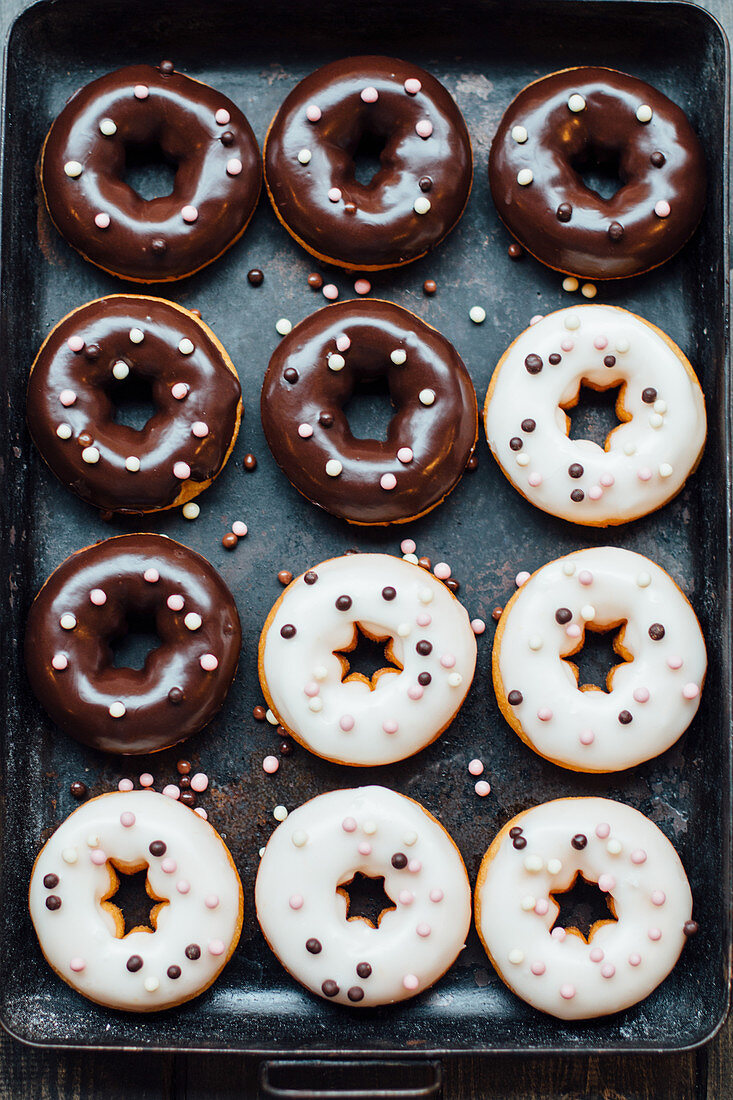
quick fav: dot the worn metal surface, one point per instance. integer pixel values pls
(485, 529)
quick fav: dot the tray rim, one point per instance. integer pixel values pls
(426, 1053)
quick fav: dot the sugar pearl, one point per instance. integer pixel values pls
(405, 455)
(576, 103)
(313, 112)
(234, 166)
(59, 662)
(189, 213)
(477, 314)
(67, 398)
(333, 467)
(412, 85)
(570, 284)
(304, 156)
(90, 455)
(186, 346)
(208, 662)
(524, 177)
(283, 326)
(424, 128)
(75, 343)
(98, 597)
(398, 356)
(102, 220)
(141, 91)
(334, 194)
(192, 621)
(64, 431)
(369, 95)
(146, 780)
(222, 116)
(644, 112)
(117, 710)
(270, 765)
(427, 397)
(519, 134)
(73, 168)
(482, 788)
(388, 481)
(421, 205)
(67, 621)
(107, 127)
(662, 209)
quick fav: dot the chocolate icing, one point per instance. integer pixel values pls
(441, 436)
(78, 697)
(373, 225)
(587, 240)
(213, 398)
(178, 117)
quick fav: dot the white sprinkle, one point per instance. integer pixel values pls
(333, 467)
(524, 177)
(455, 680)
(519, 134)
(67, 621)
(588, 612)
(186, 346)
(151, 984)
(336, 362)
(283, 326)
(132, 463)
(570, 284)
(665, 470)
(398, 356)
(403, 630)
(315, 704)
(117, 710)
(568, 568)
(614, 847)
(192, 621)
(107, 127)
(572, 321)
(412, 558)
(279, 813)
(576, 103)
(191, 510)
(73, 168)
(535, 642)
(320, 672)
(644, 112)
(304, 156)
(629, 448)
(69, 855)
(554, 866)
(622, 345)
(120, 370)
(533, 864)
(425, 595)
(90, 455)
(64, 431)
(516, 956)
(421, 205)
(643, 580)
(588, 290)
(656, 421)
(137, 335)
(528, 903)
(522, 459)
(409, 839)
(271, 718)
(299, 838)
(660, 407)
(477, 314)
(427, 397)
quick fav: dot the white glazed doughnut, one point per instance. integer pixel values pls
(647, 457)
(539, 853)
(191, 873)
(427, 635)
(651, 698)
(378, 833)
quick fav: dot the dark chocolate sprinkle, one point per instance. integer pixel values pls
(609, 361)
(515, 251)
(575, 470)
(452, 584)
(166, 68)
(555, 358)
(330, 988)
(399, 861)
(516, 830)
(563, 615)
(533, 363)
(227, 138)
(325, 420)
(188, 798)
(690, 928)
(314, 946)
(92, 351)
(78, 789)
(134, 963)
(175, 695)
(656, 632)
(564, 212)
(193, 951)
(50, 881)
(356, 993)
(425, 183)
(519, 842)
(579, 841)
(657, 159)
(424, 679)
(577, 495)
(388, 593)
(174, 972)
(424, 648)
(53, 902)
(363, 969)
(157, 848)
(516, 443)
(310, 577)
(529, 425)
(514, 698)
(625, 717)
(649, 395)
(158, 245)
(615, 231)
(290, 375)
(288, 631)
(255, 277)
(343, 603)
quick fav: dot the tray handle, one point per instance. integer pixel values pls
(344, 1079)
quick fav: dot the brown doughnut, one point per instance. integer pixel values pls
(186, 442)
(425, 174)
(195, 128)
(104, 589)
(585, 118)
(309, 381)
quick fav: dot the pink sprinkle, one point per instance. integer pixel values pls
(567, 992)
(171, 791)
(408, 546)
(558, 934)
(208, 662)
(424, 619)
(674, 662)
(59, 662)
(442, 571)
(270, 764)
(67, 397)
(410, 981)
(216, 947)
(183, 886)
(346, 723)
(239, 528)
(189, 213)
(305, 431)
(181, 470)
(535, 480)
(424, 128)
(311, 689)
(176, 602)
(77, 964)
(102, 220)
(222, 116)
(388, 481)
(179, 391)
(406, 897)
(595, 492)
(343, 343)
(414, 866)
(658, 897)
(211, 901)
(482, 788)
(370, 95)
(127, 819)
(641, 695)
(423, 929)
(412, 85)
(541, 907)
(662, 209)
(634, 959)
(199, 782)
(596, 955)
(544, 714)
(201, 812)
(655, 934)
(690, 691)
(141, 91)
(234, 166)
(125, 785)
(330, 291)
(586, 737)
(585, 577)
(644, 474)
(334, 194)
(436, 895)
(365, 849)
(607, 480)
(75, 343)
(573, 631)
(200, 429)
(567, 344)
(603, 830)
(98, 857)
(312, 112)
(521, 578)
(348, 825)
(600, 342)
(152, 576)
(535, 319)
(405, 455)
(146, 780)
(538, 969)
(448, 661)
(608, 970)
(415, 691)
(98, 597)
(296, 901)
(362, 286)
(606, 883)
(478, 626)
(390, 726)
(476, 767)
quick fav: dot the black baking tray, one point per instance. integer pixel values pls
(484, 51)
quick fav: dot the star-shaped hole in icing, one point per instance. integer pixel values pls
(582, 908)
(366, 899)
(367, 658)
(131, 900)
(595, 412)
(595, 662)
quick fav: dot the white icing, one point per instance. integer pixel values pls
(301, 676)
(82, 930)
(517, 936)
(311, 854)
(639, 452)
(531, 645)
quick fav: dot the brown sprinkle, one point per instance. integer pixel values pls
(496, 613)
(249, 462)
(259, 714)
(285, 577)
(78, 790)
(515, 251)
(255, 277)
(183, 767)
(229, 541)
(429, 287)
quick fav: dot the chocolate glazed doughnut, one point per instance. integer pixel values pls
(80, 376)
(588, 118)
(386, 107)
(432, 434)
(195, 128)
(90, 602)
